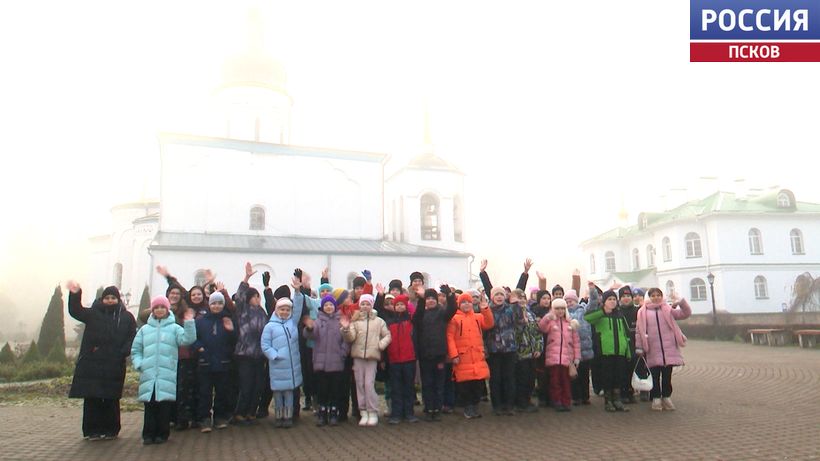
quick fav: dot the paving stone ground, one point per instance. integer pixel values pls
(735, 402)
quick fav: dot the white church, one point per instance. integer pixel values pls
(249, 195)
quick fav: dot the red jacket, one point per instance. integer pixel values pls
(401, 347)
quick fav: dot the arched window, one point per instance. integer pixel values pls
(650, 256)
(636, 260)
(430, 217)
(761, 288)
(796, 237)
(693, 249)
(118, 275)
(783, 200)
(755, 242)
(458, 221)
(591, 264)
(610, 261)
(697, 289)
(670, 288)
(667, 249)
(199, 278)
(257, 217)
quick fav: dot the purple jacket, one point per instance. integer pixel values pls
(659, 336)
(329, 347)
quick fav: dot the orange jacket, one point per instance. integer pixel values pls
(465, 342)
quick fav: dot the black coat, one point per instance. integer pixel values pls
(100, 370)
(430, 326)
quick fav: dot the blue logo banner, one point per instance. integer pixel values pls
(754, 20)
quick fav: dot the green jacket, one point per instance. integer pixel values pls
(611, 332)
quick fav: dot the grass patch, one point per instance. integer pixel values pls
(54, 392)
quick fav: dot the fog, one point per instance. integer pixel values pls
(559, 115)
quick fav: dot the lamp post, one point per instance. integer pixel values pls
(711, 279)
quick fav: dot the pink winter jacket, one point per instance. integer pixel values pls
(659, 336)
(563, 343)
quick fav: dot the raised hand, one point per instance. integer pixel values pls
(527, 265)
(615, 286)
(72, 286)
(576, 272)
(209, 276)
(227, 323)
(344, 321)
(188, 314)
(420, 292)
(249, 271)
(308, 322)
(483, 304)
(379, 288)
(266, 279)
(220, 286)
(306, 280)
(296, 282)
(483, 265)
(163, 271)
(326, 273)
(367, 275)
(540, 275)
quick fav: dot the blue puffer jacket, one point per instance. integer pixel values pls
(154, 353)
(218, 342)
(280, 344)
(584, 332)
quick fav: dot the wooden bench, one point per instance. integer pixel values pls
(807, 338)
(769, 336)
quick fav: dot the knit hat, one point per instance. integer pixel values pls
(216, 297)
(404, 299)
(160, 301)
(113, 291)
(558, 302)
(284, 302)
(389, 296)
(341, 295)
(609, 294)
(557, 288)
(367, 297)
(464, 298)
(533, 290)
(637, 292)
(497, 290)
(324, 286)
(282, 292)
(624, 290)
(359, 282)
(416, 275)
(395, 283)
(571, 294)
(430, 293)
(329, 299)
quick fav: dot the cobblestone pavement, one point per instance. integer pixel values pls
(735, 401)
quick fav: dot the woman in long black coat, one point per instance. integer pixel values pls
(100, 371)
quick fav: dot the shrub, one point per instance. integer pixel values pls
(57, 354)
(7, 355)
(32, 354)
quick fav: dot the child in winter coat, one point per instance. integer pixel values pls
(503, 349)
(563, 350)
(369, 336)
(280, 344)
(430, 324)
(251, 319)
(329, 353)
(580, 385)
(530, 347)
(465, 346)
(402, 356)
(630, 313)
(659, 339)
(214, 345)
(154, 354)
(612, 336)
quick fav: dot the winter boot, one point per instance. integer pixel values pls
(667, 404)
(321, 416)
(373, 418)
(608, 405)
(287, 417)
(616, 402)
(278, 415)
(656, 405)
(334, 416)
(365, 418)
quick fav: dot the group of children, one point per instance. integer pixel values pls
(206, 358)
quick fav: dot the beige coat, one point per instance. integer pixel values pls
(368, 336)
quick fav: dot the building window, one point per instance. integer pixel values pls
(697, 290)
(636, 260)
(118, 275)
(761, 288)
(591, 264)
(257, 218)
(783, 200)
(650, 256)
(610, 261)
(797, 242)
(199, 278)
(458, 226)
(670, 288)
(693, 249)
(667, 249)
(755, 242)
(430, 217)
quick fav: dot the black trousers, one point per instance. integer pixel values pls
(329, 388)
(612, 372)
(469, 392)
(186, 391)
(626, 386)
(402, 389)
(251, 382)
(157, 420)
(542, 376)
(432, 383)
(213, 393)
(524, 382)
(502, 379)
(580, 385)
(662, 382)
(101, 417)
(595, 372)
